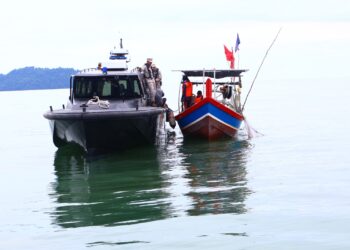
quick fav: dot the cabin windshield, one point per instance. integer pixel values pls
(111, 87)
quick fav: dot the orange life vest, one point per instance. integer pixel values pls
(198, 99)
(188, 89)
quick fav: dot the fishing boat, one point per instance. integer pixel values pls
(219, 113)
(107, 109)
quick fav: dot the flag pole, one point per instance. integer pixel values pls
(251, 86)
(232, 78)
(233, 57)
(238, 42)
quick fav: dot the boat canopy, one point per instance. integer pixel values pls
(214, 73)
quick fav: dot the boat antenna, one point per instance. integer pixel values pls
(263, 60)
(121, 43)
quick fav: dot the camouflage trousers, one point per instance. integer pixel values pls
(151, 86)
(158, 83)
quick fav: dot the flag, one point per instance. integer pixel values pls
(229, 57)
(238, 42)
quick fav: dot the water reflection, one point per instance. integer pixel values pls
(217, 176)
(115, 189)
(147, 184)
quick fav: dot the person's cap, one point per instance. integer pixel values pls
(149, 60)
(153, 65)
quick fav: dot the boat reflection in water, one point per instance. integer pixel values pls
(107, 191)
(217, 175)
(149, 184)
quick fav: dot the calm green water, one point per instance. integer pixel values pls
(287, 189)
(156, 184)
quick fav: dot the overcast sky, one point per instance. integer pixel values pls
(179, 34)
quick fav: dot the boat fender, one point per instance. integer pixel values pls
(229, 92)
(226, 91)
(170, 118)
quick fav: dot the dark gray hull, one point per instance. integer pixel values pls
(106, 130)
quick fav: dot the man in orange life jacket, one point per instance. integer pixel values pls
(199, 97)
(186, 98)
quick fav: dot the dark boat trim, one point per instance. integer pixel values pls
(104, 114)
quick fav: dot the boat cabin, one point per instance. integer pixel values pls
(111, 87)
(221, 85)
(111, 80)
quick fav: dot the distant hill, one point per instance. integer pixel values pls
(29, 78)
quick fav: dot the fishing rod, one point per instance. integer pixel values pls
(256, 75)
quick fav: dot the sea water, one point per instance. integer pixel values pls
(284, 189)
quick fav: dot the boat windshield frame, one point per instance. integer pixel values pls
(112, 87)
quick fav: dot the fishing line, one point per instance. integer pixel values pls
(256, 75)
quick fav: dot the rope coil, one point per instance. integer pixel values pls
(101, 103)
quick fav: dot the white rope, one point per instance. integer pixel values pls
(101, 103)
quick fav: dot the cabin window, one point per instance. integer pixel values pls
(123, 86)
(106, 89)
(136, 87)
(111, 87)
(83, 87)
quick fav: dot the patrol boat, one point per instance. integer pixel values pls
(107, 109)
(219, 114)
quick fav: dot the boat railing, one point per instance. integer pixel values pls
(87, 70)
(217, 83)
(219, 79)
(136, 70)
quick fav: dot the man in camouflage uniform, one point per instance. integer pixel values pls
(157, 76)
(149, 80)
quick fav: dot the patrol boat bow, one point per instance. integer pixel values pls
(107, 109)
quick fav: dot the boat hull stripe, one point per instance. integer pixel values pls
(208, 115)
(214, 112)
